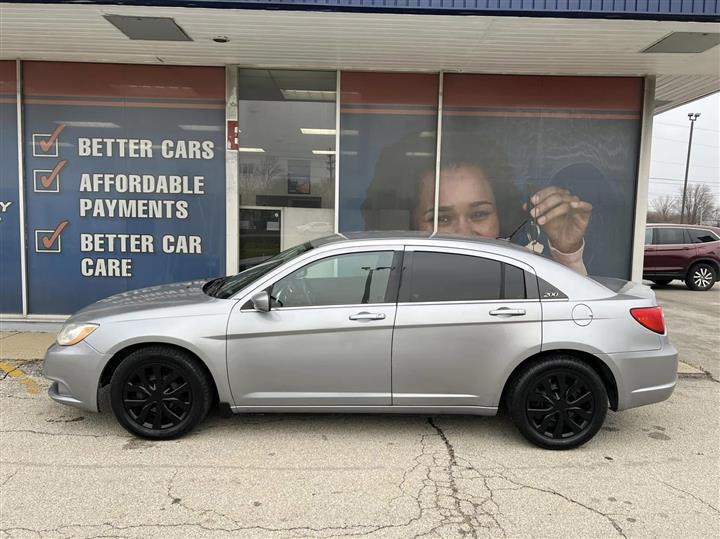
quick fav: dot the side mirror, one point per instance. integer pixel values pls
(261, 301)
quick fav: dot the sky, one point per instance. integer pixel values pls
(671, 130)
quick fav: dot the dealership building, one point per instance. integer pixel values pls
(151, 142)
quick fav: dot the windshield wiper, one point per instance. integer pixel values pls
(212, 286)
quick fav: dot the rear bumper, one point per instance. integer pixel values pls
(645, 377)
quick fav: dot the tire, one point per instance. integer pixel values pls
(701, 277)
(536, 406)
(173, 409)
(661, 282)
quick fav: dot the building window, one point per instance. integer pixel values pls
(287, 159)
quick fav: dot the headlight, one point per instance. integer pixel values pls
(74, 333)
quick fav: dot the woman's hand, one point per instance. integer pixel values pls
(562, 216)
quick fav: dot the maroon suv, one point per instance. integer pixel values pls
(687, 252)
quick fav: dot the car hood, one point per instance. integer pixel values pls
(170, 297)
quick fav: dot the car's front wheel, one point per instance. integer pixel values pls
(160, 392)
(701, 277)
(558, 402)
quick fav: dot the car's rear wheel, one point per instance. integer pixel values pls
(558, 402)
(160, 392)
(701, 277)
(661, 282)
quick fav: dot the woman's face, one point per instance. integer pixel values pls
(467, 203)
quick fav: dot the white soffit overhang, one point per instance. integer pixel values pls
(365, 41)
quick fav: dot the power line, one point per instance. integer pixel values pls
(686, 127)
(683, 164)
(683, 141)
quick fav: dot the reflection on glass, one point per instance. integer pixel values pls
(549, 160)
(287, 156)
(388, 139)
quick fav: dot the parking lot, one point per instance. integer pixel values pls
(651, 471)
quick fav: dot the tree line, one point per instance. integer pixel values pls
(702, 207)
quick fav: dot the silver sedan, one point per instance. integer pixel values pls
(441, 325)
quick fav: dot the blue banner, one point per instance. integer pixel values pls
(10, 282)
(125, 179)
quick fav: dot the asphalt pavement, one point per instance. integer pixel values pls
(693, 321)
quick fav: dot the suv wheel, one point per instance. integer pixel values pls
(558, 402)
(160, 393)
(701, 277)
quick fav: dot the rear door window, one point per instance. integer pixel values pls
(669, 236)
(433, 277)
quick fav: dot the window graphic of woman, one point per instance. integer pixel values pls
(478, 197)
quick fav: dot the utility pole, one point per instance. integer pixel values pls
(692, 116)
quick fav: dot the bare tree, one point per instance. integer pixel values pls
(700, 203)
(664, 209)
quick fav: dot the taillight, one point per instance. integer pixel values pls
(650, 317)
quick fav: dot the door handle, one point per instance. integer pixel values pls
(367, 316)
(506, 311)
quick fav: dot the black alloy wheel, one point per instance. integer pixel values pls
(701, 277)
(558, 402)
(157, 396)
(160, 392)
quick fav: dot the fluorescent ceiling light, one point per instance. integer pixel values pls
(352, 132)
(418, 154)
(309, 95)
(324, 152)
(99, 125)
(251, 150)
(313, 131)
(348, 152)
(203, 128)
(427, 134)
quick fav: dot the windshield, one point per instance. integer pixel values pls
(225, 287)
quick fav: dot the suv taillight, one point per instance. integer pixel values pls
(650, 317)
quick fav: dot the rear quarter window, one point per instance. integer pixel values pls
(698, 235)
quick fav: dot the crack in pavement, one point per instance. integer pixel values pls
(689, 494)
(8, 478)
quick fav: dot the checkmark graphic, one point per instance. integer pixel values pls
(49, 241)
(45, 145)
(47, 180)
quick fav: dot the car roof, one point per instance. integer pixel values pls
(405, 236)
(684, 225)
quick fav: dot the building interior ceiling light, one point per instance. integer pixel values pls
(251, 150)
(308, 95)
(203, 128)
(324, 152)
(316, 131)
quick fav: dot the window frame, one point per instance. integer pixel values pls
(303, 261)
(403, 295)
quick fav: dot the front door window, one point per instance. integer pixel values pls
(349, 279)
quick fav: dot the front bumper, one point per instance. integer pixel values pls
(75, 372)
(645, 377)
